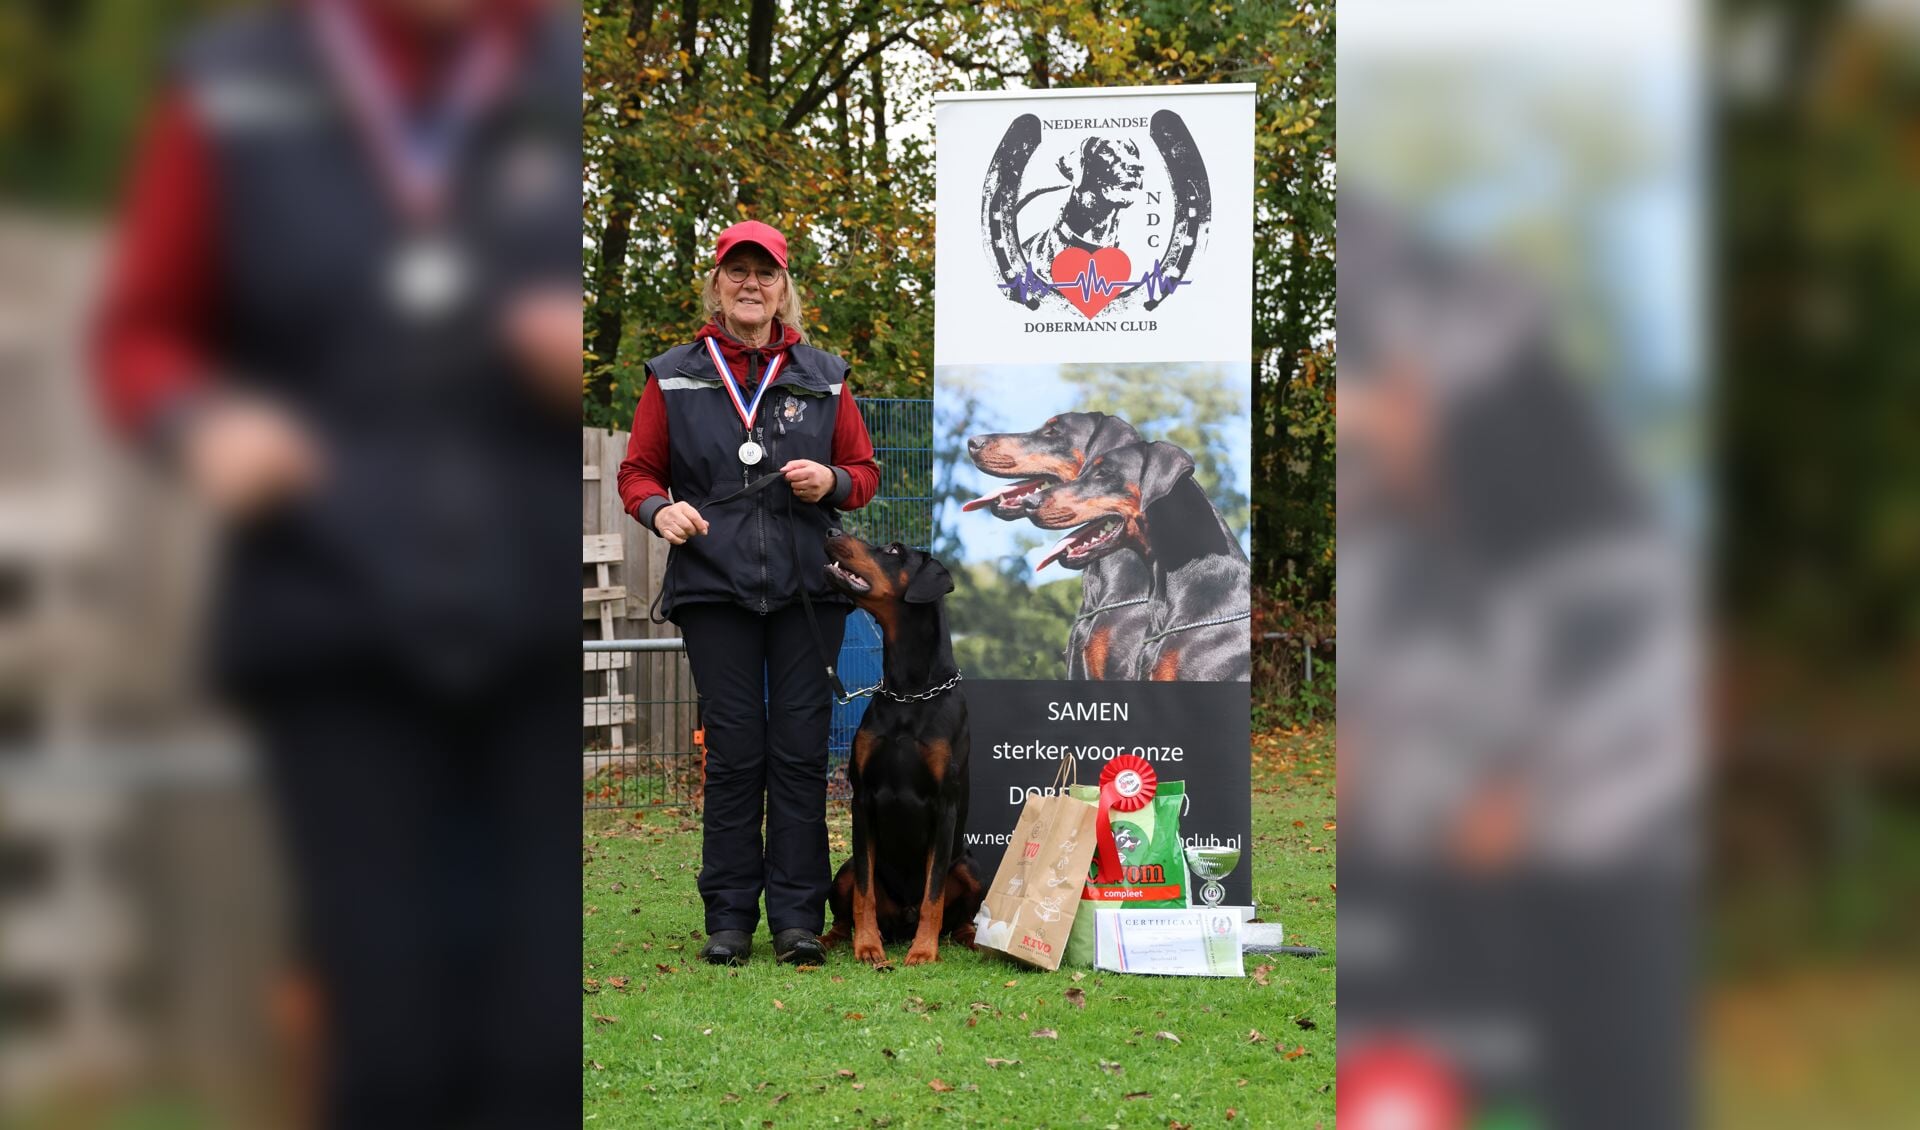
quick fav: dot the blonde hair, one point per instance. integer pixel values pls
(790, 312)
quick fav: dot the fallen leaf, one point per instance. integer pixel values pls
(1329, 826)
(978, 1006)
(1297, 1052)
(859, 1086)
(1077, 998)
(855, 1016)
(664, 967)
(618, 982)
(779, 1006)
(940, 1085)
(1045, 1034)
(1239, 1082)
(992, 1062)
(1254, 1036)
(780, 1098)
(1306, 1023)
(972, 1021)
(1176, 1124)
(597, 1065)
(1299, 823)
(590, 986)
(606, 1019)
(1167, 1036)
(845, 1073)
(1232, 1114)
(1110, 1067)
(838, 980)
(1137, 1095)
(1079, 975)
(1011, 984)
(1260, 974)
(889, 1053)
(706, 1031)
(659, 1037)
(729, 1097)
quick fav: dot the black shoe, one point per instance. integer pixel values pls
(728, 947)
(798, 947)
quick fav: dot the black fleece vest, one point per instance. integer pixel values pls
(747, 556)
(447, 514)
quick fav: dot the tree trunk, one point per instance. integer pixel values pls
(877, 106)
(760, 42)
(690, 42)
(609, 289)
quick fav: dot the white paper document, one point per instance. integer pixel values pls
(1190, 943)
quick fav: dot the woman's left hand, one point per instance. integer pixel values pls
(810, 481)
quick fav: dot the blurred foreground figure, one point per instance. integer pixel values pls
(345, 307)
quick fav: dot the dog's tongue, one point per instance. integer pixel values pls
(986, 500)
(1058, 551)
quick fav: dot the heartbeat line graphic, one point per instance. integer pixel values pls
(1028, 285)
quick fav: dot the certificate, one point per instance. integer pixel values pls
(1191, 943)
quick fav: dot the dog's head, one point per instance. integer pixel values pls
(881, 577)
(1052, 453)
(1106, 505)
(1110, 169)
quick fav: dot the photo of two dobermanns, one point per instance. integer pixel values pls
(1164, 581)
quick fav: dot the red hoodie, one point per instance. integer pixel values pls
(646, 474)
(154, 339)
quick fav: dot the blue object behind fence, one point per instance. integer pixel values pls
(902, 511)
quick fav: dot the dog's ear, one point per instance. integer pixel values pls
(929, 582)
(1109, 432)
(1166, 466)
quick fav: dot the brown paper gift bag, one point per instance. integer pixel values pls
(1028, 912)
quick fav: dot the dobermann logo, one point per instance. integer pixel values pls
(793, 410)
(1135, 212)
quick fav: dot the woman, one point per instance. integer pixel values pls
(747, 398)
(374, 379)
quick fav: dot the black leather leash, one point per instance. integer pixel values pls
(806, 600)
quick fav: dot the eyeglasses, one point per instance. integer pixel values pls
(738, 272)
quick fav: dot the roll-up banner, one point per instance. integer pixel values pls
(1092, 348)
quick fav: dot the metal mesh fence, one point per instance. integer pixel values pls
(902, 511)
(659, 759)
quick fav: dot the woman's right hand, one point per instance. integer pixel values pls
(678, 522)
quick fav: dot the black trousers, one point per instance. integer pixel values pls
(766, 707)
(431, 836)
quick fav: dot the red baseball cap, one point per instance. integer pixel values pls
(760, 235)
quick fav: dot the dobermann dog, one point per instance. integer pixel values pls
(911, 875)
(1142, 498)
(1106, 636)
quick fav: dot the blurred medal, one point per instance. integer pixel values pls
(416, 149)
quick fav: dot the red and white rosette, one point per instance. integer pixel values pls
(1127, 784)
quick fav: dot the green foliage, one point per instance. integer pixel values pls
(76, 79)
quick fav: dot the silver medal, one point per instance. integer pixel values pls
(429, 277)
(750, 453)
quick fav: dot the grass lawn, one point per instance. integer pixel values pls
(973, 1041)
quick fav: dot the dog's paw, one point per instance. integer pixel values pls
(918, 956)
(871, 952)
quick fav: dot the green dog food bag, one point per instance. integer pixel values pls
(1139, 859)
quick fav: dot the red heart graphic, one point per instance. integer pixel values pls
(1091, 279)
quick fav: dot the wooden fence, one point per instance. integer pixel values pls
(635, 706)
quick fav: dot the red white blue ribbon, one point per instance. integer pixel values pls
(747, 411)
(415, 155)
